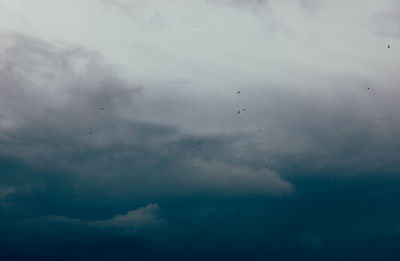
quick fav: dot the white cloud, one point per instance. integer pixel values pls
(214, 176)
(140, 221)
(144, 217)
(5, 192)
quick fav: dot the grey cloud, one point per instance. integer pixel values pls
(386, 24)
(52, 117)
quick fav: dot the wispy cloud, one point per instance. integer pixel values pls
(135, 222)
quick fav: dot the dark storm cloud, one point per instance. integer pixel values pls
(69, 166)
(170, 171)
(68, 109)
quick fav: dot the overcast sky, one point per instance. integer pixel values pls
(199, 129)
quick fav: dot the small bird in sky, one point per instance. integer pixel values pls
(238, 92)
(90, 133)
(243, 109)
(388, 45)
(368, 88)
(238, 112)
(101, 108)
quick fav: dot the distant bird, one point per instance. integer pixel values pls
(368, 88)
(90, 133)
(238, 92)
(243, 109)
(388, 45)
(101, 108)
(238, 112)
(258, 130)
(266, 167)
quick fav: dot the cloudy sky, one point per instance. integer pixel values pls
(199, 130)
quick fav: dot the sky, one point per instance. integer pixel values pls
(199, 130)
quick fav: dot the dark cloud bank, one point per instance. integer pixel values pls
(82, 183)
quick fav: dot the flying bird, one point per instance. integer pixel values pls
(90, 133)
(243, 109)
(238, 92)
(238, 112)
(388, 45)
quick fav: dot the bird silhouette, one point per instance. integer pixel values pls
(389, 46)
(238, 112)
(238, 92)
(90, 133)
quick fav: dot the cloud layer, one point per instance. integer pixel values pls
(123, 134)
(67, 109)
